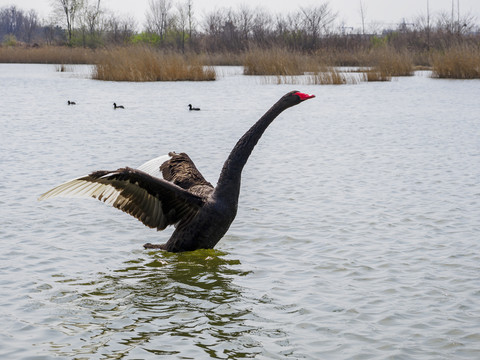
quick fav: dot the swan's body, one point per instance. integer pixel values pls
(201, 213)
(115, 106)
(190, 107)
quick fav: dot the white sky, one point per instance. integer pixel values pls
(377, 11)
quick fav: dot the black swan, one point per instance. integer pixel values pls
(115, 106)
(71, 102)
(201, 213)
(190, 107)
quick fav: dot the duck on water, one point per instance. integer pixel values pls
(169, 190)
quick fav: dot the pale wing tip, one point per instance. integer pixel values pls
(65, 189)
(48, 194)
(152, 167)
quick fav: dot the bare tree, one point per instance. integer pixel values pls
(30, 25)
(213, 27)
(294, 29)
(245, 19)
(428, 25)
(90, 18)
(423, 25)
(68, 10)
(158, 17)
(182, 23)
(316, 20)
(119, 30)
(262, 27)
(363, 14)
(11, 21)
(18, 24)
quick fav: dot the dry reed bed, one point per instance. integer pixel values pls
(47, 55)
(146, 64)
(383, 63)
(390, 62)
(274, 61)
(325, 76)
(460, 62)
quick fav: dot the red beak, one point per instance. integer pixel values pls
(303, 96)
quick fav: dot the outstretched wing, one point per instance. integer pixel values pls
(155, 202)
(181, 170)
(152, 167)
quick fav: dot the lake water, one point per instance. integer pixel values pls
(357, 235)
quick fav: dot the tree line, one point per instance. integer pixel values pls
(174, 25)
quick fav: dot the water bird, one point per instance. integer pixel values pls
(190, 107)
(200, 212)
(115, 106)
(71, 102)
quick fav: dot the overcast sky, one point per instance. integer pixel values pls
(377, 11)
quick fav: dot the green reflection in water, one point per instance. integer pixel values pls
(160, 303)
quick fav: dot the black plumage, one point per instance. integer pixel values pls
(201, 212)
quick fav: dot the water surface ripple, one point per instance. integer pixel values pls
(356, 237)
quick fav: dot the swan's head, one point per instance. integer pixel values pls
(294, 98)
(303, 96)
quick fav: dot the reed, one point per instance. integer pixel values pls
(390, 62)
(330, 76)
(46, 55)
(459, 62)
(63, 68)
(225, 58)
(146, 64)
(345, 58)
(324, 76)
(273, 61)
(374, 74)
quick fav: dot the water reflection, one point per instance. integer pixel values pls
(159, 303)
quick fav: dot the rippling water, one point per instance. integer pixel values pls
(357, 234)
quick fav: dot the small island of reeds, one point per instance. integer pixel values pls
(141, 63)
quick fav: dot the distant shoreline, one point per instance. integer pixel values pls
(146, 63)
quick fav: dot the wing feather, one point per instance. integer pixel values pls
(181, 170)
(152, 167)
(155, 202)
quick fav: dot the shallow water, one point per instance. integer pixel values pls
(357, 234)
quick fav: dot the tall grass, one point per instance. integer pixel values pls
(346, 58)
(374, 74)
(146, 64)
(390, 62)
(274, 61)
(324, 76)
(46, 55)
(459, 62)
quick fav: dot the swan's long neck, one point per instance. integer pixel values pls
(229, 181)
